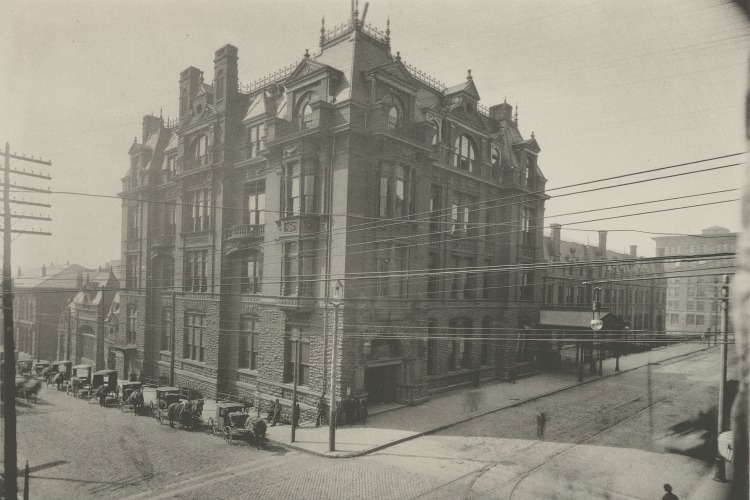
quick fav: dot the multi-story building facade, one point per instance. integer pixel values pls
(631, 294)
(349, 170)
(694, 285)
(39, 296)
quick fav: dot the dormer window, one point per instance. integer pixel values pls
(465, 153)
(529, 173)
(255, 137)
(393, 118)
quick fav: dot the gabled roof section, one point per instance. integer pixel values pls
(57, 277)
(467, 88)
(204, 88)
(135, 148)
(308, 68)
(395, 71)
(260, 106)
(531, 144)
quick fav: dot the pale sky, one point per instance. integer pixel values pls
(608, 88)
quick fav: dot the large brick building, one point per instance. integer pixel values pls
(40, 295)
(350, 167)
(694, 286)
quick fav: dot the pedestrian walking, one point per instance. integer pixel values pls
(276, 413)
(669, 495)
(320, 410)
(541, 421)
(706, 337)
(102, 393)
(295, 413)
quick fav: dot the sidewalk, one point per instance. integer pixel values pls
(401, 423)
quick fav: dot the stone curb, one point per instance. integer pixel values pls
(353, 454)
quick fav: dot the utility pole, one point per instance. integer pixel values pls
(295, 341)
(720, 469)
(9, 387)
(171, 338)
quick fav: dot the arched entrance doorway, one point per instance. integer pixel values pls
(383, 372)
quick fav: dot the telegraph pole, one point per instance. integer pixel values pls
(9, 387)
(720, 466)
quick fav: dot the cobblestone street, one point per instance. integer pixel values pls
(594, 445)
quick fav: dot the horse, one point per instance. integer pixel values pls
(32, 389)
(258, 427)
(181, 412)
(136, 399)
(73, 385)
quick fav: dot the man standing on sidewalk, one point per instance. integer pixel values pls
(320, 410)
(669, 495)
(541, 421)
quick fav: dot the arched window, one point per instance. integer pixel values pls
(398, 199)
(220, 85)
(393, 117)
(307, 116)
(465, 153)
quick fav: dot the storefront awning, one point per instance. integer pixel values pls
(575, 319)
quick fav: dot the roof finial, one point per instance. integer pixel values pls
(468, 77)
(388, 34)
(161, 113)
(505, 100)
(307, 54)
(322, 31)
(398, 56)
(532, 134)
(356, 14)
(515, 118)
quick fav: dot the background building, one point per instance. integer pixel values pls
(39, 296)
(694, 286)
(84, 325)
(632, 295)
(348, 167)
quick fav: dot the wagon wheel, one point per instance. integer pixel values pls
(159, 418)
(228, 434)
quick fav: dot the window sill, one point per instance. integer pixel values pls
(247, 371)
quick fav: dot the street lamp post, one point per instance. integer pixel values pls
(596, 324)
(336, 302)
(295, 340)
(617, 351)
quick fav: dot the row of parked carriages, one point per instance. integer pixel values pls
(167, 404)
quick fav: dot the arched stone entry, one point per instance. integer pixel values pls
(383, 373)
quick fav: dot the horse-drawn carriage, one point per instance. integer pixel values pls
(126, 389)
(40, 366)
(168, 406)
(108, 379)
(232, 421)
(79, 384)
(59, 372)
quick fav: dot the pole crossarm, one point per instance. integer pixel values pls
(23, 231)
(31, 174)
(30, 203)
(33, 217)
(31, 160)
(28, 188)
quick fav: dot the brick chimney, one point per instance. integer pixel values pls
(151, 125)
(603, 243)
(633, 251)
(501, 112)
(555, 239)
